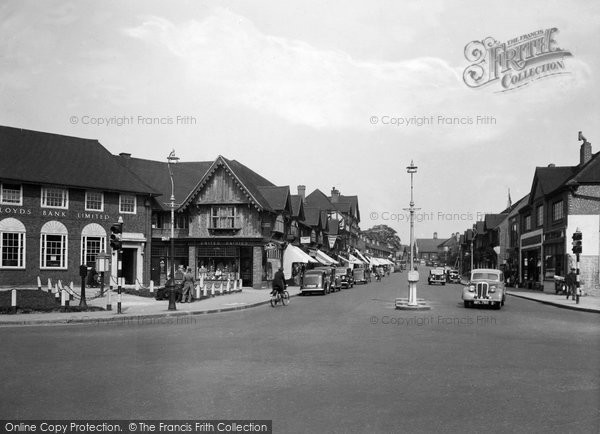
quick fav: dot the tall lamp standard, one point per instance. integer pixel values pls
(172, 159)
(412, 281)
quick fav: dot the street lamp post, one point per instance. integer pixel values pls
(412, 277)
(172, 159)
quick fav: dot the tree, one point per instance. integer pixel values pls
(384, 234)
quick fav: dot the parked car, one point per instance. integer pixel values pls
(317, 280)
(485, 287)
(359, 275)
(453, 276)
(344, 277)
(436, 275)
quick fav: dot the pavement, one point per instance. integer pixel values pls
(134, 307)
(587, 303)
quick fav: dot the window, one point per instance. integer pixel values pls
(223, 217)
(279, 224)
(528, 222)
(127, 204)
(90, 247)
(53, 245)
(11, 194)
(94, 201)
(540, 215)
(12, 243)
(558, 212)
(55, 197)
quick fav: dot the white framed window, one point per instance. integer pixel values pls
(12, 244)
(94, 201)
(127, 204)
(55, 197)
(223, 217)
(93, 241)
(11, 194)
(53, 246)
(540, 215)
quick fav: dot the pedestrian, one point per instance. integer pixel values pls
(188, 286)
(571, 281)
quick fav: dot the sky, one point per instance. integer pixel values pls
(323, 94)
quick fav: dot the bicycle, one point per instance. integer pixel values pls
(282, 297)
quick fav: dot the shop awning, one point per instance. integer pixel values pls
(325, 259)
(360, 255)
(354, 260)
(291, 255)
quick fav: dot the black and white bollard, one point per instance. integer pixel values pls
(13, 301)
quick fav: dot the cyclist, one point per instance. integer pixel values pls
(278, 282)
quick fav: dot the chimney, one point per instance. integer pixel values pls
(302, 192)
(435, 235)
(551, 165)
(585, 152)
(335, 195)
(125, 155)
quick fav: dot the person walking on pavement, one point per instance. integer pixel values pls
(188, 286)
(278, 282)
(571, 282)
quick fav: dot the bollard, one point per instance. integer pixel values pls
(151, 286)
(235, 285)
(197, 291)
(49, 285)
(221, 289)
(137, 285)
(204, 290)
(212, 290)
(228, 286)
(13, 301)
(63, 298)
(39, 281)
(240, 285)
(56, 292)
(202, 280)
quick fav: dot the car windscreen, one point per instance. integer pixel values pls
(486, 276)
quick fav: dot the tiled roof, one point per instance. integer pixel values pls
(312, 216)
(297, 206)
(491, 221)
(549, 179)
(276, 197)
(44, 158)
(348, 204)
(428, 244)
(156, 173)
(318, 199)
(590, 172)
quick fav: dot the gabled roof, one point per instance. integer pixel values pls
(318, 199)
(44, 158)
(548, 179)
(589, 173)
(297, 207)
(348, 204)
(278, 198)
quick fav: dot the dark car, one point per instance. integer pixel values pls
(317, 280)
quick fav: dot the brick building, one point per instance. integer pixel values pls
(59, 196)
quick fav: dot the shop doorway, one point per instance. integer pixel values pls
(129, 265)
(246, 265)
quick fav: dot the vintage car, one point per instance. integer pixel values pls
(317, 280)
(359, 275)
(486, 287)
(436, 275)
(343, 278)
(452, 276)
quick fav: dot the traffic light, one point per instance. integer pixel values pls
(577, 242)
(116, 236)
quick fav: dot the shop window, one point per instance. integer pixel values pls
(11, 194)
(223, 217)
(94, 201)
(127, 204)
(558, 211)
(12, 243)
(55, 197)
(53, 245)
(540, 215)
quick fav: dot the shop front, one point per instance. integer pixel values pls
(554, 255)
(531, 260)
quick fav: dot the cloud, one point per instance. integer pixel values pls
(293, 80)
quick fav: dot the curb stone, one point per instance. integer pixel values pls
(552, 303)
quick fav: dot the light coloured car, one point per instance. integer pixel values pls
(486, 286)
(316, 281)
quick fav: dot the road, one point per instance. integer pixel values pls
(345, 362)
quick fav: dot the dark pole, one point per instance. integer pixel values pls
(119, 277)
(83, 273)
(172, 306)
(102, 284)
(577, 281)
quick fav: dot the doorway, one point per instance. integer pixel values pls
(129, 265)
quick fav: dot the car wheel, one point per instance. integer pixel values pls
(466, 304)
(443, 283)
